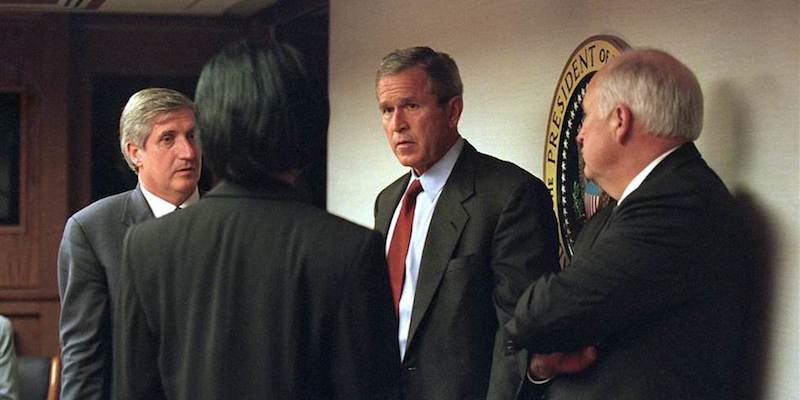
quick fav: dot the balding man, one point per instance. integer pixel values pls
(650, 306)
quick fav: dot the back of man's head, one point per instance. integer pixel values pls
(662, 93)
(260, 112)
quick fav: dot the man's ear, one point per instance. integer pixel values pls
(623, 123)
(133, 154)
(454, 107)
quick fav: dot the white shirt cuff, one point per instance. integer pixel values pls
(536, 381)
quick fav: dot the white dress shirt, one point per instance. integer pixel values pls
(432, 181)
(161, 207)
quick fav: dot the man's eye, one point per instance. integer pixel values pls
(412, 106)
(387, 110)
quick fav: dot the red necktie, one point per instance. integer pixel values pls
(398, 248)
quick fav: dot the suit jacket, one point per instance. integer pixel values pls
(656, 283)
(492, 233)
(88, 272)
(253, 294)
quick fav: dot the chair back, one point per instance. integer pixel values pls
(39, 377)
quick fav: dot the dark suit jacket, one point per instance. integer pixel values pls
(254, 295)
(656, 283)
(88, 271)
(492, 233)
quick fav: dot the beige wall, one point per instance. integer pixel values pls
(511, 52)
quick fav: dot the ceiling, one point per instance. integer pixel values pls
(153, 7)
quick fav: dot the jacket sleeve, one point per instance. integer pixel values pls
(84, 325)
(642, 262)
(524, 247)
(8, 361)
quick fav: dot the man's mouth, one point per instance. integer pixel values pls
(405, 143)
(186, 170)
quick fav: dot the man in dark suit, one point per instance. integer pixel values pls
(481, 230)
(651, 305)
(254, 293)
(158, 142)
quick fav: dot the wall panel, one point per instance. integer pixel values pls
(53, 61)
(35, 63)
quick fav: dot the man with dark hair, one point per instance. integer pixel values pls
(651, 305)
(465, 235)
(253, 293)
(157, 139)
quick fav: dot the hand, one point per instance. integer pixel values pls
(546, 366)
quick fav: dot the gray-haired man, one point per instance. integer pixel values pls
(157, 139)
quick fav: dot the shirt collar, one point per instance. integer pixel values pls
(433, 179)
(161, 207)
(640, 177)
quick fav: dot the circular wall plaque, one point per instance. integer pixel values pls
(574, 198)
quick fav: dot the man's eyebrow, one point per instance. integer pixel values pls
(404, 100)
(166, 132)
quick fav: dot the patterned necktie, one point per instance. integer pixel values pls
(398, 248)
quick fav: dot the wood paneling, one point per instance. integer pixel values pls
(53, 60)
(33, 48)
(34, 323)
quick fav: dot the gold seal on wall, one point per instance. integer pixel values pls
(574, 198)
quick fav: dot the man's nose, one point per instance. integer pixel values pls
(398, 121)
(187, 148)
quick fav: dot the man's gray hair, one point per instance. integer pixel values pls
(662, 93)
(444, 81)
(140, 113)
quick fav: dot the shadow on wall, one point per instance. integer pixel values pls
(727, 132)
(759, 296)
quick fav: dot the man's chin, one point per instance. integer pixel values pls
(185, 185)
(406, 160)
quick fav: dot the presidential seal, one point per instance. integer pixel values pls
(574, 198)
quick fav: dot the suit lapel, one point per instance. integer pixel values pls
(388, 203)
(136, 208)
(447, 223)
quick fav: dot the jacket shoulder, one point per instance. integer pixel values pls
(493, 174)
(102, 209)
